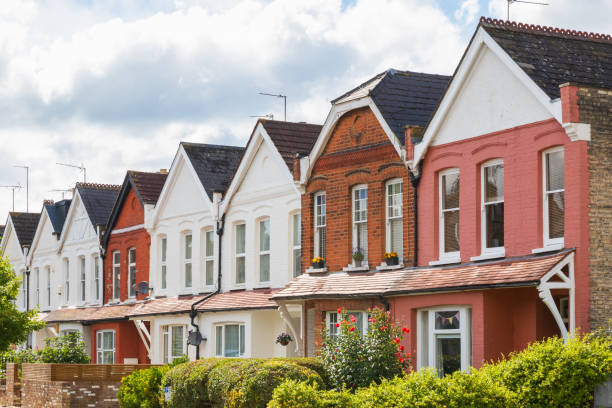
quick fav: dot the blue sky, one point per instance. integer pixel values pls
(116, 84)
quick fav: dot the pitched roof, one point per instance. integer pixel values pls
(291, 137)
(169, 305)
(402, 97)
(239, 300)
(2, 227)
(57, 214)
(148, 186)
(553, 56)
(214, 164)
(520, 271)
(25, 226)
(98, 200)
(90, 314)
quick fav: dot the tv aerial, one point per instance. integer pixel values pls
(278, 96)
(13, 187)
(268, 116)
(510, 2)
(76, 166)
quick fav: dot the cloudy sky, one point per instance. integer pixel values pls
(116, 84)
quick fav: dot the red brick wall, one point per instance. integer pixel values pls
(128, 343)
(132, 214)
(358, 152)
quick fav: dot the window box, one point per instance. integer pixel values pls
(316, 270)
(386, 267)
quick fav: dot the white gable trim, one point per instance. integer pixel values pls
(335, 113)
(76, 201)
(259, 136)
(44, 217)
(9, 230)
(481, 39)
(181, 156)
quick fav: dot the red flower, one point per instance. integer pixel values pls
(353, 319)
(373, 320)
(401, 348)
(396, 354)
(401, 360)
(405, 330)
(408, 354)
(337, 324)
(339, 311)
(352, 329)
(383, 327)
(333, 357)
(397, 340)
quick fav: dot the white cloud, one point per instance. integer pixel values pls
(467, 11)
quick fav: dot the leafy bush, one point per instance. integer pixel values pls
(142, 388)
(65, 349)
(297, 394)
(354, 360)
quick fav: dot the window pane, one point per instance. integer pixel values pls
(163, 277)
(394, 200)
(494, 214)
(210, 265)
(320, 209)
(164, 249)
(177, 341)
(132, 280)
(219, 340)
(494, 183)
(232, 340)
(447, 320)
(555, 179)
(242, 339)
(297, 262)
(264, 235)
(210, 243)
(188, 246)
(264, 268)
(188, 275)
(333, 319)
(240, 238)
(109, 357)
(132, 255)
(362, 239)
(116, 258)
(450, 191)
(297, 229)
(165, 335)
(360, 204)
(240, 273)
(451, 231)
(397, 236)
(321, 235)
(448, 353)
(107, 340)
(556, 215)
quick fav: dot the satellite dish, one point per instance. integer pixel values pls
(194, 338)
(143, 288)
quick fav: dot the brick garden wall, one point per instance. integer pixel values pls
(595, 107)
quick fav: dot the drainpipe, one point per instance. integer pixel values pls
(415, 183)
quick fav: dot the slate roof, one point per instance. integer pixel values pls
(510, 272)
(402, 97)
(2, 227)
(148, 186)
(553, 56)
(25, 226)
(291, 137)
(98, 200)
(214, 164)
(57, 214)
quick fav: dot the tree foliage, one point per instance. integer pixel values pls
(68, 349)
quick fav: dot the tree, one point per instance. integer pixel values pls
(14, 325)
(68, 349)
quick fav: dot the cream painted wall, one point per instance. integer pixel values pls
(492, 99)
(12, 251)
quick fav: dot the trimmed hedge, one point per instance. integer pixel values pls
(547, 374)
(236, 382)
(142, 388)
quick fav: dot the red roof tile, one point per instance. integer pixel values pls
(90, 314)
(523, 271)
(169, 305)
(239, 300)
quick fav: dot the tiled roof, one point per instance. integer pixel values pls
(25, 226)
(402, 97)
(239, 300)
(552, 56)
(290, 138)
(2, 227)
(214, 164)
(147, 185)
(169, 305)
(90, 314)
(57, 214)
(521, 271)
(98, 200)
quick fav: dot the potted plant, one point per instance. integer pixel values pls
(318, 262)
(391, 258)
(357, 257)
(283, 339)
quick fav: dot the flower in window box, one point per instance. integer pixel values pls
(357, 256)
(283, 339)
(391, 258)
(318, 262)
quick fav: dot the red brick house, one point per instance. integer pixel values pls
(513, 175)
(126, 263)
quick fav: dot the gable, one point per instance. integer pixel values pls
(131, 212)
(45, 240)
(12, 249)
(491, 99)
(79, 227)
(182, 194)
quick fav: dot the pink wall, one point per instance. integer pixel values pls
(521, 148)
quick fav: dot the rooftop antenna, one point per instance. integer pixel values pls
(27, 169)
(81, 167)
(14, 187)
(268, 116)
(278, 96)
(63, 191)
(521, 1)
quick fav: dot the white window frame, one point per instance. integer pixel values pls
(453, 256)
(37, 270)
(263, 252)
(332, 317)
(320, 226)
(493, 251)
(296, 231)
(389, 218)
(48, 269)
(166, 344)
(163, 262)
(66, 264)
(427, 358)
(187, 262)
(129, 272)
(82, 279)
(239, 255)
(209, 259)
(555, 243)
(100, 346)
(95, 263)
(116, 274)
(242, 349)
(23, 290)
(357, 223)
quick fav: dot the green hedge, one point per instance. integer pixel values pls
(547, 374)
(142, 388)
(236, 382)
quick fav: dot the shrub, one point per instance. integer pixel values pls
(297, 394)
(65, 349)
(354, 360)
(142, 388)
(189, 383)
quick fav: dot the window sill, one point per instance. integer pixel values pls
(317, 270)
(491, 255)
(114, 302)
(262, 285)
(238, 286)
(187, 292)
(351, 268)
(446, 261)
(129, 300)
(384, 267)
(548, 248)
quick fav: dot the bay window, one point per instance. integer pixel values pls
(240, 265)
(105, 347)
(492, 207)
(173, 342)
(554, 196)
(116, 275)
(187, 242)
(164, 249)
(296, 249)
(449, 214)
(320, 224)
(230, 340)
(394, 224)
(132, 271)
(360, 220)
(264, 250)
(209, 256)
(333, 318)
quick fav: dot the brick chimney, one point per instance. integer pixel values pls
(413, 135)
(296, 167)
